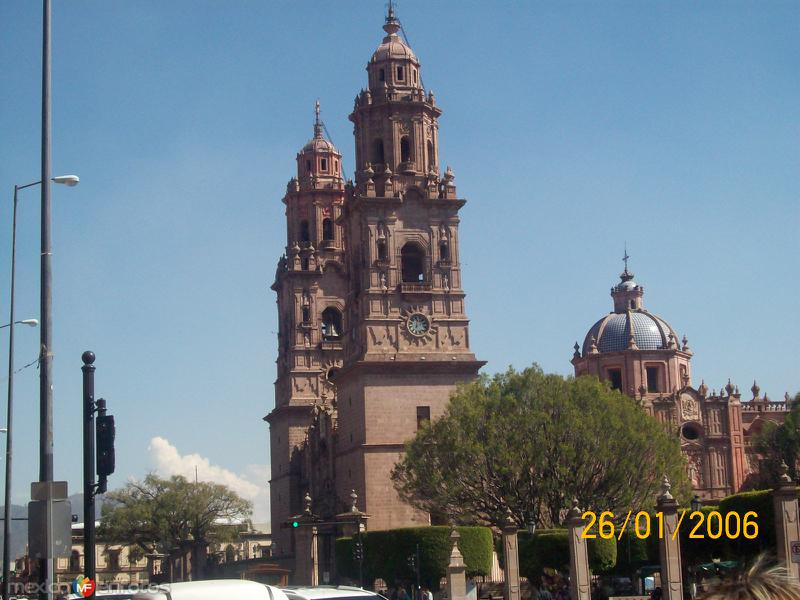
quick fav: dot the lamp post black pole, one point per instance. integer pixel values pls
(88, 369)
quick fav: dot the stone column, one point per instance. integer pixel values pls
(669, 547)
(306, 553)
(511, 557)
(579, 576)
(456, 572)
(787, 520)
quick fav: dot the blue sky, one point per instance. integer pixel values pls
(572, 127)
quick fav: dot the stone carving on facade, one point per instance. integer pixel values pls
(695, 470)
(690, 409)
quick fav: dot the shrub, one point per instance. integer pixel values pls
(386, 553)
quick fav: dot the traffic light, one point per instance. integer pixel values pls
(295, 524)
(106, 432)
(358, 550)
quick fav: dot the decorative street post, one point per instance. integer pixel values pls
(456, 571)
(787, 520)
(578, 555)
(669, 548)
(511, 559)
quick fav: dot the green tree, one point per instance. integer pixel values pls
(160, 514)
(529, 443)
(779, 443)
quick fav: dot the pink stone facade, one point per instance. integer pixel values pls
(638, 353)
(373, 334)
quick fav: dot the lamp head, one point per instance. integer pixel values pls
(30, 322)
(68, 180)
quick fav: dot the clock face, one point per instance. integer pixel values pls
(418, 324)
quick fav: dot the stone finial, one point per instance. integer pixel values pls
(307, 502)
(729, 387)
(509, 522)
(703, 389)
(766, 398)
(449, 176)
(456, 558)
(574, 512)
(353, 501)
(368, 172)
(666, 486)
(577, 353)
(736, 391)
(685, 342)
(632, 343)
(671, 343)
(787, 398)
(784, 473)
(755, 389)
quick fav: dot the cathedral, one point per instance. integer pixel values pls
(640, 354)
(373, 335)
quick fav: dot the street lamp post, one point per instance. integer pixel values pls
(69, 180)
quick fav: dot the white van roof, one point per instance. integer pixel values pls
(230, 589)
(322, 592)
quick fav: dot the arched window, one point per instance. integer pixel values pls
(382, 252)
(377, 154)
(381, 75)
(331, 324)
(306, 314)
(444, 251)
(405, 149)
(308, 166)
(75, 562)
(323, 162)
(327, 229)
(413, 259)
(305, 232)
(400, 74)
(431, 157)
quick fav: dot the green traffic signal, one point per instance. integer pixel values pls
(295, 524)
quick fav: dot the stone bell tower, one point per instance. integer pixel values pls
(407, 345)
(311, 286)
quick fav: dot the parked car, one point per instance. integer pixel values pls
(329, 592)
(227, 589)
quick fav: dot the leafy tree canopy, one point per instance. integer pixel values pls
(159, 514)
(529, 443)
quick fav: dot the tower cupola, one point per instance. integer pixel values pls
(393, 65)
(319, 163)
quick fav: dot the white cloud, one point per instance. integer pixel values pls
(251, 484)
